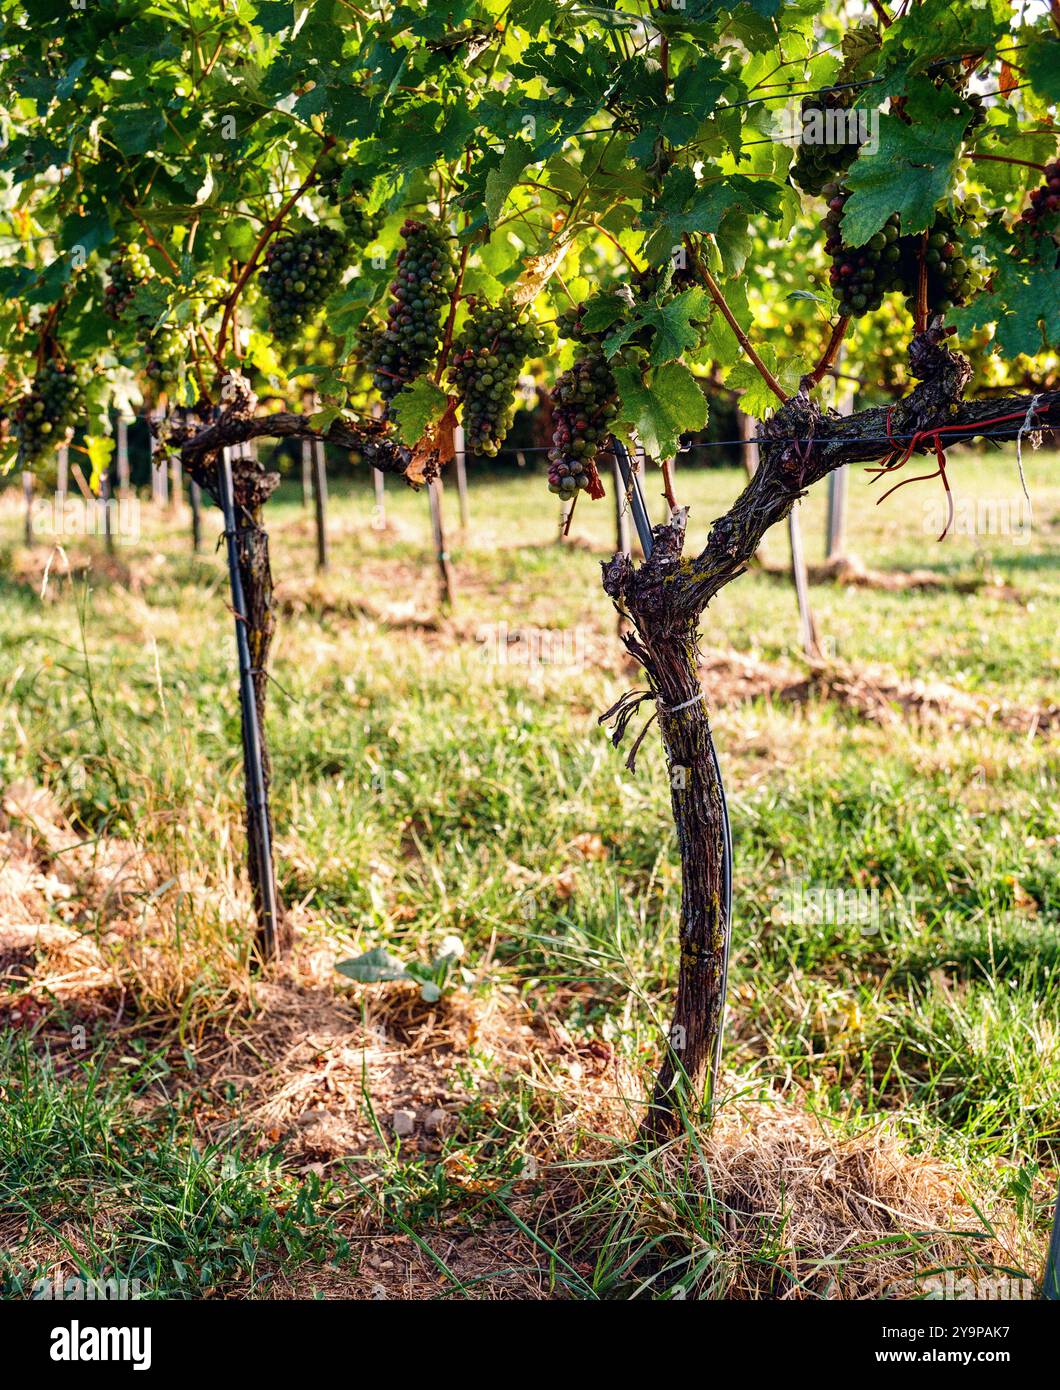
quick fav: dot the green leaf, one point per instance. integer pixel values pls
(501, 181)
(603, 310)
(1041, 63)
(686, 206)
(661, 409)
(100, 448)
(676, 325)
(415, 408)
(373, 967)
(911, 171)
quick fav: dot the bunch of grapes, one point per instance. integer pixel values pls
(1042, 213)
(300, 272)
(584, 402)
(129, 269)
(44, 416)
(399, 351)
(164, 352)
(953, 278)
(818, 163)
(861, 276)
(211, 290)
(487, 360)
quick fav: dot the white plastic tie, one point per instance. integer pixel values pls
(676, 709)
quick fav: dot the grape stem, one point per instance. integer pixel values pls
(668, 484)
(741, 337)
(454, 300)
(830, 353)
(921, 287)
(152, 240)
(1007, 159)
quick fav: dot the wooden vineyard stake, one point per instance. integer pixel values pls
(320, 503)
(307, 471)
(62, 474)
(807, 625)
(195, 498)
(27, 498)
(461, 476)
(445, 568)
(159, 475)
(379, 514)
(122, 450)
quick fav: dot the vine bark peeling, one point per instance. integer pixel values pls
(665, 598)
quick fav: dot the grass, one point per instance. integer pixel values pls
(422, 787)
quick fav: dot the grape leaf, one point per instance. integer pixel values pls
(416, 408)
(1041, 63)
(686, 206)
(673, 325)
(662, 408)
(501, 181)
(912, 169)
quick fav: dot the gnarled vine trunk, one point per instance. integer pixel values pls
(665, 598)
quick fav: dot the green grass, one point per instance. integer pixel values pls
(421, 789)
(117, 1200)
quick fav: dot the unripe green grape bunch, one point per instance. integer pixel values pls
(584, 403)
(129, 269)
(818, 164)
(44, 416)
(408, 343)
(300, 272)
(164, 349)
(487, 359)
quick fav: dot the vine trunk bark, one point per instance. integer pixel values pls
(685, 1080)
(664, 642)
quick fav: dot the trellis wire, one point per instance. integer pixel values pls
(642, 522)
